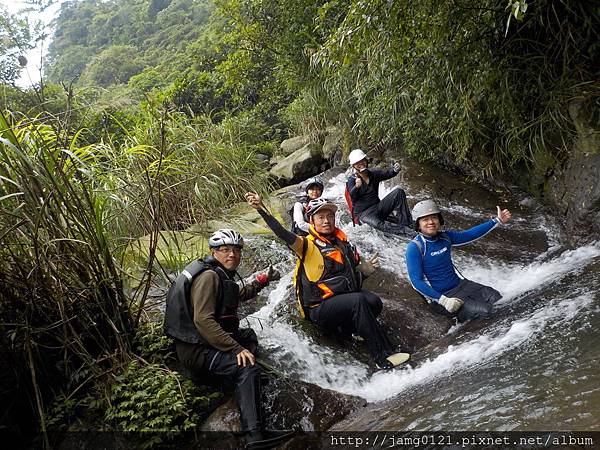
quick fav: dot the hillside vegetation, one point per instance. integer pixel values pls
(158, 114)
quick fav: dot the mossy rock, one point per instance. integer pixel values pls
(176, 248)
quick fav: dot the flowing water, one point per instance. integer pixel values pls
(532, 367)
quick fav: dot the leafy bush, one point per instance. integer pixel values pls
(151, 343)
(458, 84)
(151, 398)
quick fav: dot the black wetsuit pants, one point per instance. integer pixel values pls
(478, 299)
(246, 380)
(379, 215)
(356, 311)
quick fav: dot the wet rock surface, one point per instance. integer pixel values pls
(299, 165)
(407, 318)
(288, 404)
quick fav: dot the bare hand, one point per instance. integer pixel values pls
(375, 260)
(503, 215)
(273, 274)
(358, 182)
(245, 357)
(253, 200)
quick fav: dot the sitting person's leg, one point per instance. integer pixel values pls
(478, 300)
(354, 308)
(373, 301)
(247, 386)
(372, 218)
(396, 202)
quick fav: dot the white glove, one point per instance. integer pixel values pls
(396, 167)
(451, 304)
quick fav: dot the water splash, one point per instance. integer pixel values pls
(309, 361)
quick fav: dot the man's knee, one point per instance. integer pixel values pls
(374, 302)
(473, 309)
(492, 295)
(248, 372)
(398, 192)
(362, 302)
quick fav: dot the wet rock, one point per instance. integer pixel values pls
(333, 145)
(575, 191)
(299, 165)
(262, 157)
(295, 404)
(225, 418)
(290, 145)
(288, 404)
(407, 318)
(276, 159)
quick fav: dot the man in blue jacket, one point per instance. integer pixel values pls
(363, 197)
(430, 268)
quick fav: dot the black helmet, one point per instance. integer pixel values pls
(314, 181)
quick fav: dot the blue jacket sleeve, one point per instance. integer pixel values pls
(414, 266)
(472, 234)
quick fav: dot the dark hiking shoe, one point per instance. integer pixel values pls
(267, 438)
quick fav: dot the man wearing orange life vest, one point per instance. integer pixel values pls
(328, 277)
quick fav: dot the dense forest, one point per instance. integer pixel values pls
(152, 115)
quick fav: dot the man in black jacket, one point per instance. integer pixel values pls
(201, 316)
(363, 190)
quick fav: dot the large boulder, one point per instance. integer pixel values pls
(298, 166)
(288, 404)
(407, 319)
(333, 145)
(290, 145)
(575, 190)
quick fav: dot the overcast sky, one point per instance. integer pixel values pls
(31, 74)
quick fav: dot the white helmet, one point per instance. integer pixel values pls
(356, 155)
(425, 208)
(318, 204)
(225, 236)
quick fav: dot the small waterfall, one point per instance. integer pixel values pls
(546, 293)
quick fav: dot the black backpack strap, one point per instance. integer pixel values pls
(299, 277)
(444, 236)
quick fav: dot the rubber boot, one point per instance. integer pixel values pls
(267, 438)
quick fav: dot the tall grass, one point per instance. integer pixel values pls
(68, 212)
(62, 307)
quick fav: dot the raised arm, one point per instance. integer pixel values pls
(478, 231)
(292, 240)
(382, 175)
